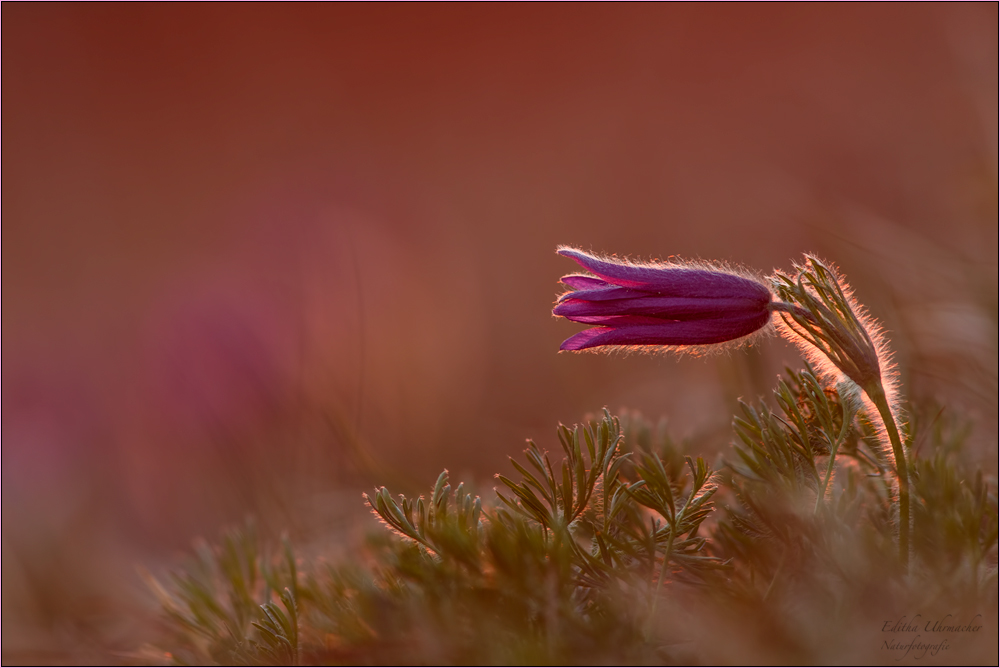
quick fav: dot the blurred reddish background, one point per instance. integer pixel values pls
(257, 258)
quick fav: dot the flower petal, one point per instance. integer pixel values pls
(670, 280)
(602, 294)
(678, 333)
(583, 340)
(668, 308)
(581, 282)
(616, 320)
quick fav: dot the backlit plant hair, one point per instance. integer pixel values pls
(681, 307)
(841, 340)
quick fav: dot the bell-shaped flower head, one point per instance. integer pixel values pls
(659, 304)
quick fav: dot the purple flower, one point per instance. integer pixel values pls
(659, 304)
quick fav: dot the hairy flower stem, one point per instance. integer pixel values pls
(659, 582)
(876, 393)
(833, 458)
(826, 479)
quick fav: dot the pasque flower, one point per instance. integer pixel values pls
(672, 304)
(659, 304)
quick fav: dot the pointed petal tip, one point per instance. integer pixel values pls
(569, 251)
(580, 340)
(583, 281)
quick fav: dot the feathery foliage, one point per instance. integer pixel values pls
(596, 557)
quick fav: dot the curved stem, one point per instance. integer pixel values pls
(877, 395)
(826, 479)
(833, 457)
(659, 581)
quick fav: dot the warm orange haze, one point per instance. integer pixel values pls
(258, 258)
